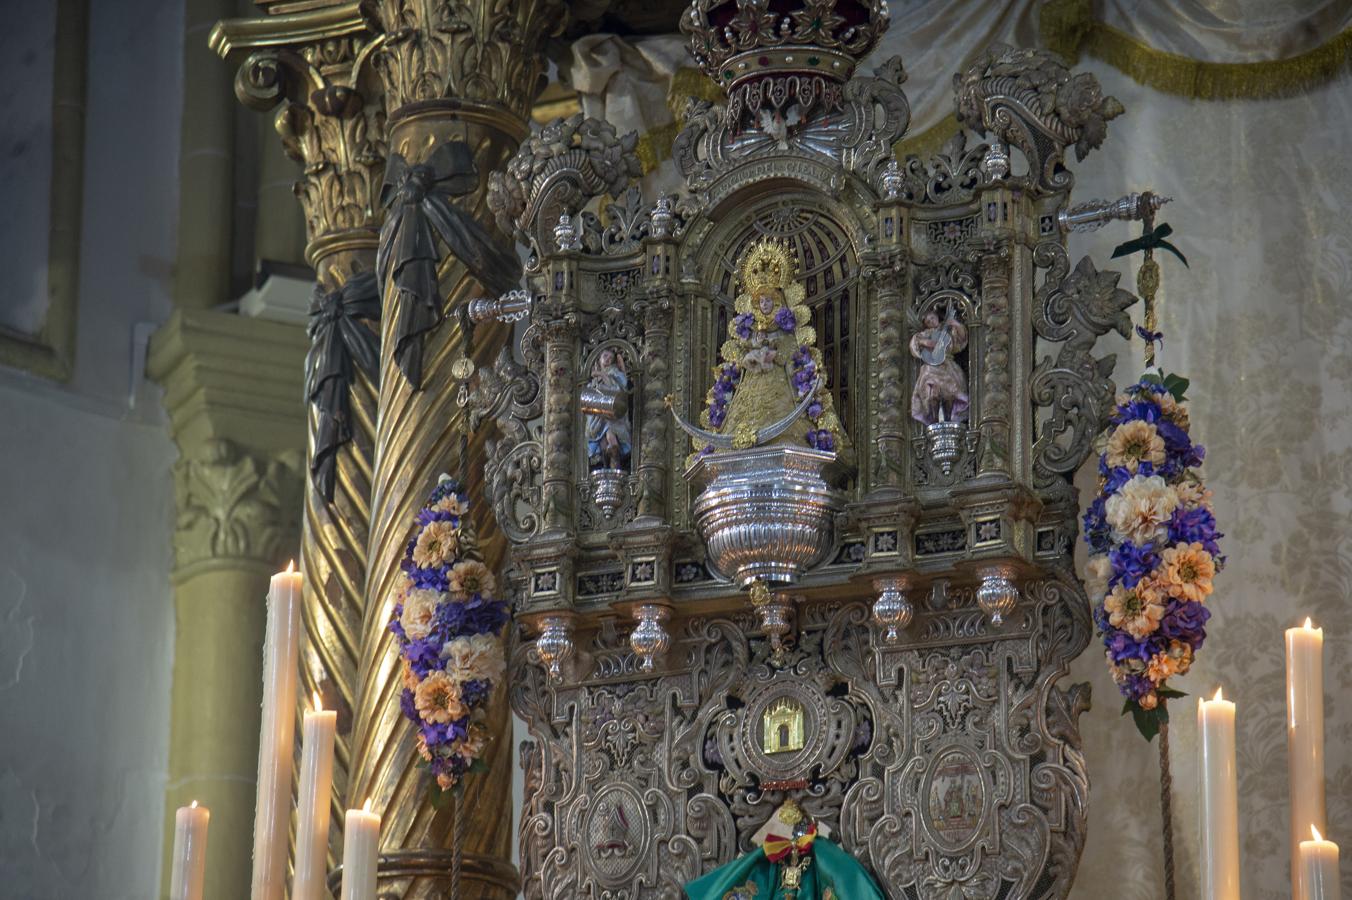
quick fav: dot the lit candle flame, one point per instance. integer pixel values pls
(1308, 623)
(1315, 831)
(319, 702)
(1218, 694)
(366, 807)
(193, 804)
(290, 566)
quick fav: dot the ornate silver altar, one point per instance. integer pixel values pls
(905, 689)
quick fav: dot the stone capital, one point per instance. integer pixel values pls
(315, 68)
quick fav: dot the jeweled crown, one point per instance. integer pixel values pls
(778, 52)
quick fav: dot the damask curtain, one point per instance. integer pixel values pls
(1262, 323)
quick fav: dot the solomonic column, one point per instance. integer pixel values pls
(459, 81)
(313, 70)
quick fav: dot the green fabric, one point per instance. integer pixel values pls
(753, 876)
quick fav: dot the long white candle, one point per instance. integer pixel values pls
(312, 802)
(1304, 737)
(272, 815)
(190, 852)
(1220, 799)
(1318, 868)
(361, 838)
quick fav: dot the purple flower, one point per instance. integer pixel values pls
(814, 410)
(741, 326)
(1096, 532)
(1131, 563)
(1137, 410)
(474, 692)
(785, 319)
(407, 706)
(424, 655)
(1198, 525)
(716, 416)
(396, 626)
(1122, 646)
(1185, 620)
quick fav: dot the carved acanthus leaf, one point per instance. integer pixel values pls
(1029, 99)
(1075, 308)
(233, 505)
(561, 169)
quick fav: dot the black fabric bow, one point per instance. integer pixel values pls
(418, 210)
(1151, 240)
(342, 334)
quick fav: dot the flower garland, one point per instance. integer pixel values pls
(448, 626)
(807, 362)
(1153, 546)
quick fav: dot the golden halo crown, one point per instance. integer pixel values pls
(766, 265)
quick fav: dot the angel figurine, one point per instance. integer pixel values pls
(940, 392)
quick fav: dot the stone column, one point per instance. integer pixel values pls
(313, 69)
(468, 72)
(231, 385)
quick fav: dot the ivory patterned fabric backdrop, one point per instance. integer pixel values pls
(1262, 323)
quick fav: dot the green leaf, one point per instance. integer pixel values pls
(1177, 385)
(1169, 693)
(1148, 721)
(439, 797)
(1151, 378)
(478, 766)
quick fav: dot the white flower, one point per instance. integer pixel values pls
(420, 605)
(1140, 511)
(1096, 574)
(476, 658)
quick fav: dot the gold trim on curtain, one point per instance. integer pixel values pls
(1068, 27)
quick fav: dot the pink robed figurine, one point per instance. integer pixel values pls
(941, 387)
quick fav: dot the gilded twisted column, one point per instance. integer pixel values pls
(313, 69)
(465, 72)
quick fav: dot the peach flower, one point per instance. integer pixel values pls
(436, 545)
(451, 504)
(1132, 613)
(476, 658)
(470, 577)
(1133, 443)
(1188, 570)
(1193, 494)
(1096, 574)
(1140, 510)
(420, 606)
(438, 699)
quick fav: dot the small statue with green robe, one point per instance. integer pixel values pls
(792, 861)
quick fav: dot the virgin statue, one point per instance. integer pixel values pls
(793, 860)
(770, 387)
(941, 386)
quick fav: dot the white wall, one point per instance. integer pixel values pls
(86, 502)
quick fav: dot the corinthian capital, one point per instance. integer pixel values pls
(236, 505)
(488, 53)
(315, 69)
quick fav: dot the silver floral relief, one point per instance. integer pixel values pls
(950, 765)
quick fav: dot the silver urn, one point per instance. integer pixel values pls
(892, 610)
(555, 646)
(766, 513)
(997, 595)
(608, 490)
(945, 443)
(650, 639)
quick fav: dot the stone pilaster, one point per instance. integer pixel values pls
(230, 385)
(469, 72)
(312, 70)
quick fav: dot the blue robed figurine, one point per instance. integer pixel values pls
(791, 862)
